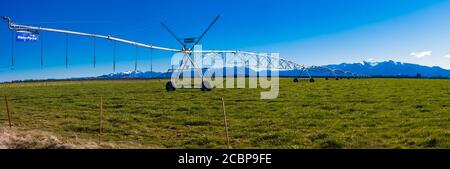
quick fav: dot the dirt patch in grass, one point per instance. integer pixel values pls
(15, 139)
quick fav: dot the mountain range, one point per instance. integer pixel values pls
(392, 68)
(377, 69)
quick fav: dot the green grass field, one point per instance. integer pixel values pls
(357, 113)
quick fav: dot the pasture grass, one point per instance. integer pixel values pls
(357, 113)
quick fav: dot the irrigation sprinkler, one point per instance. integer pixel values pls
(316, 69)
(187, 49)
(42, 52)
(348, 75)
(95, 50)
(13, 45)
(322, 70)
(67, 50)
(188, 57)
(151, 63)
(339, 74)
(302, 71)
(335, 75)
(136, 59)
(114, 56)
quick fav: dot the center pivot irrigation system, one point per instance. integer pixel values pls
(188, 62)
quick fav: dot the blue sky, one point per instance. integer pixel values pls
(313, 32)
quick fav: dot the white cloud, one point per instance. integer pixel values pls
(371, 59)
(447, 56)
(421, 54)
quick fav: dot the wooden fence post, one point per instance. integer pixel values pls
(100, 131)
(7, 111)
(225, 123)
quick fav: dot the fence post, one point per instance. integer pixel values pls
(225, 123)
(100, 131)
(7, 111)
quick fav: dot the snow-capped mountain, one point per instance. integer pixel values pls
(386, 68)
(392, 68)
(134, 74)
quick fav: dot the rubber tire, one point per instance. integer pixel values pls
(312, 80)
(206, 86)
(170, 86)
(296, 80)
(327, 78)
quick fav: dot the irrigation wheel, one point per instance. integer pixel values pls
(170, 86)
(206, 86)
